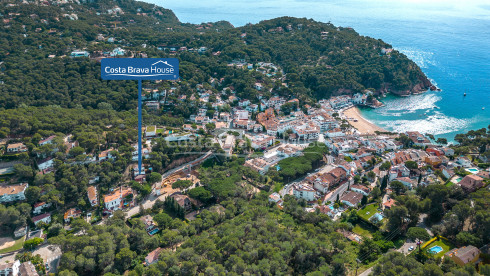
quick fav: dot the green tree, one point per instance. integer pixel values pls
(154, 178)
(398, 187)
(414, 233)
(33, 194)
(32, 243)
(181, 184)
(411, 165)
(441, 141)
(23, 171)
(124, 259)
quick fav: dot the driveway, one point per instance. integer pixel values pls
(406, 246)
(147, 204)
(51, 255)
(332, 196)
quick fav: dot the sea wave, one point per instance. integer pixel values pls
(409, 104)
(436, 124)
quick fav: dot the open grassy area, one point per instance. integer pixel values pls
(151, 128)
(446, 246)
(17, 245)
(359, 230)
(368, 211)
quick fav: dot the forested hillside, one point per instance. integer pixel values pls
(319, 59)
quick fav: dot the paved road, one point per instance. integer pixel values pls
(147, 204)
(366, 272)
(406, 246)
(332, 196)
(152, 198)
(181, 167)
(421, 223)
(51, 255)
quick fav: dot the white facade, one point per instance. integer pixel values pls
(464, 161)
(46, 164)
(304, 191)
(46, 218)
(241, 115)
(39, 208)
(8, 269)
(9, 193)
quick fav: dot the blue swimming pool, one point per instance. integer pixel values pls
(378, 216)
(473, 170)
(435, 249)
(153, 232)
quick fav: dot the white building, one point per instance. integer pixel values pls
(115, 201)
(45, 164)
(17, 147)
(464, 161)
(241, 115)
(151, 131)
(15, 192)
(39, 207)
(303, 190)
(359, 98)
(8, 269)
(261, 141)
(46, 218)
(360, 189)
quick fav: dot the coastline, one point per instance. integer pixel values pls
(362, 125)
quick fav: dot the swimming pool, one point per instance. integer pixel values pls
(456, 179)
(435, 249)
(473, 170)
(378, 216)
(153, 232)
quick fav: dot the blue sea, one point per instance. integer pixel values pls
(448, 39)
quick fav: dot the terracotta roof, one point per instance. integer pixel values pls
(471, 182)
(389, 203)
(362, 188)
(16, 145)
(27, 269)
(465, 253)
(353, 197)
(92, 193)
(72, 213)
(12, 189)
(338, 172)
(153, 255)
(122, 192)
(40, 217)
(39, 204)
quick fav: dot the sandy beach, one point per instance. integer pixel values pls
(364, 126)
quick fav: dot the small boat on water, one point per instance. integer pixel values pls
(464, 95)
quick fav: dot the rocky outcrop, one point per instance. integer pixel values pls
(422, 86)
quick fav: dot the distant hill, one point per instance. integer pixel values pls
(320, 59)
